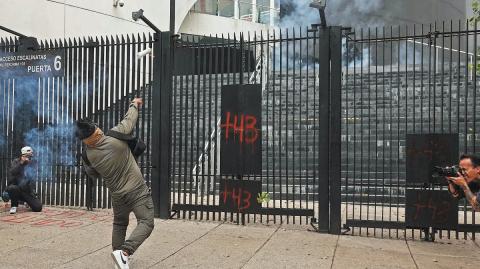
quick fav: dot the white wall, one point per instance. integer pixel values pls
(46, 19)
(72, 18)
(204, 24)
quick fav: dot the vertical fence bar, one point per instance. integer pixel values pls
(192, 129)
(280, 127)
(422, 65)
(274, 84)
(369, 127)
(298, 123)
(406, 107)
(376, 130)
(450, 82)
(110, 71)
(166, 124)
(458, 92)
(102, 80)
(398, 129)
(217, 69)
(354, 159)
(285, 176)
(465, 132)
(384, 123)
(362, 108)
(442, 80)
(474, 133)
(307, 123)
(90, 105)
(324, 130)
(291, 197)
(196, 130)
(391, 132)
(434, 82)
(156, 99)
(74, 107)
(148, 71)
(335, 130)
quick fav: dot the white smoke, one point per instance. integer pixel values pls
(348, 13)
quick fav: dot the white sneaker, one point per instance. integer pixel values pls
(120, 259)
(13, 210)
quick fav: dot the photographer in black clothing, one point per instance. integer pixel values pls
(467, 183)
(19, 187)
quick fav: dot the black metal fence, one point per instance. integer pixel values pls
(286, 65)
(398, 81)
(101, 77)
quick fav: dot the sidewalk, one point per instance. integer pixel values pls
(72, 238)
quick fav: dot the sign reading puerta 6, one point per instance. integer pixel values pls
(44, 63)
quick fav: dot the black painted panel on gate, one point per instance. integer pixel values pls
(240, 195)
(241, 125)
(212, 60)
(431, 208)
(424, 151)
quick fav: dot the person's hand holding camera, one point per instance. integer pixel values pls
(459, 181)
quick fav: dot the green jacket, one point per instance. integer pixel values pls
(112, 159)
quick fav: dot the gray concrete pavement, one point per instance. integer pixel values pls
(73, 238)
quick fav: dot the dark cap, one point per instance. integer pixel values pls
(85, 128)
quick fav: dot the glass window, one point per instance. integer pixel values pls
(226, 8)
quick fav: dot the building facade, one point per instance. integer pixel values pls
(47, 19)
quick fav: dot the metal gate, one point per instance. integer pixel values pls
(398, 81)
(295, 115)
(298, 71)
(101, 77)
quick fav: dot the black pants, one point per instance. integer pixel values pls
(16, 194)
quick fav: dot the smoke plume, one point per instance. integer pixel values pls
(347, 13)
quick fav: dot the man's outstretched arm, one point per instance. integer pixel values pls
(130, 119)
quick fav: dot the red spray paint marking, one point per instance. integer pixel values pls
(240, 198)
(243, 126)
(55, 218)
(439, 213)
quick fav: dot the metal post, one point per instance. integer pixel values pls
(335, 128)
(254, 11)
(90, 187)
(161, 127)
(11, 31)
(236, 10)
(323, 172)
(272, 13)
(172, 17)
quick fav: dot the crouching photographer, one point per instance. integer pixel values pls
(19, 187)
(466, 182)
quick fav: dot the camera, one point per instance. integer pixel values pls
(448, 171)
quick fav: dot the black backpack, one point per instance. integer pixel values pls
(136, 145)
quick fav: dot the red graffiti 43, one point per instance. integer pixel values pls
(243, 127)
(240, 198)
